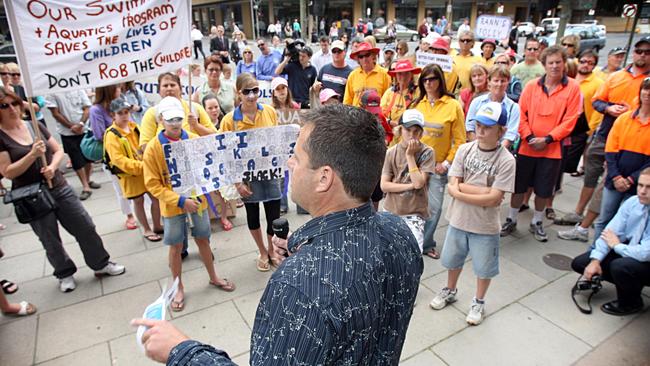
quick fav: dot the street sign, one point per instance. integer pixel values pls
(629, 10)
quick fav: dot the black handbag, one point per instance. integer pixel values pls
(31, 202)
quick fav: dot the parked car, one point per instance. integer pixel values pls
(587, 33)
(526, 29)
(550, 25)
(401, 32)
(602, 29)
(7, 53)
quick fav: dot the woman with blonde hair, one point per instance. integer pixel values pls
(478, 85)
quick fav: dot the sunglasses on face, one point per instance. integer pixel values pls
(261, 44)
(255, 91)
(642, 51)
(532, 49)
(15, 103)
(14, 73)
(568, 45)
(213, 70)
(585, 62)
(4, 73)
(430, 79)
(336, 51)
(245, 52)
(362, 56)
(174, 121)
(466, 40)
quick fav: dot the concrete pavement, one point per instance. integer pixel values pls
(531, 318)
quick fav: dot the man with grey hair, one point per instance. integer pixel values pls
(464, 60)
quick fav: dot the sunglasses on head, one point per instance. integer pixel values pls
(15, 103)
(255, 91)
(642, 51)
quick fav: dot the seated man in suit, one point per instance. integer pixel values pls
(622, 253)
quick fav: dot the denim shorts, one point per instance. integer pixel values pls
(176, 227)
(484, 250)
(263, 191)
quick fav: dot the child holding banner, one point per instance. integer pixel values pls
(248, 115)
(177, 209)
(124, 160)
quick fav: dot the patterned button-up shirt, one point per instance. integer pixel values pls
(344, 298)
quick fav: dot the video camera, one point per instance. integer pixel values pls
(594, 285)
(293, 48)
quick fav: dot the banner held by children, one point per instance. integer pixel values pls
(207, 163)
(64, 46)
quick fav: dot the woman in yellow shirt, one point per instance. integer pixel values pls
(121, 141)
(444, 131)
(249, 115)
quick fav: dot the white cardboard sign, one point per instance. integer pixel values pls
(493, 26)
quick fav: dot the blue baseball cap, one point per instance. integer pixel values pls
(490, 114)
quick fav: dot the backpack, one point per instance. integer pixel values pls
(106, 158)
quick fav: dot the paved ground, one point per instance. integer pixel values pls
(531, 319)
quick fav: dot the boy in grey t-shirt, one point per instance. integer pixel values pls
(482, 172)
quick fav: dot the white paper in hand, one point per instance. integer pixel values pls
(157, 310)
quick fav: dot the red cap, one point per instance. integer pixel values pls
(404, 65)
(440, 44)
(364, 47)
(371, 101)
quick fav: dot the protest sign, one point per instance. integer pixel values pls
(208, 163)
(493, 26)
(423, 59)
(72, 45)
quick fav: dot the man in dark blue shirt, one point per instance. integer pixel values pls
(300, 75)
(345, 295)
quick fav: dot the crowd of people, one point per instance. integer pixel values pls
(380, 134)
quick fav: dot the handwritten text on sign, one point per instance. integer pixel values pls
(423, 59)
(82, 44)
(493, 26)
(208, 163)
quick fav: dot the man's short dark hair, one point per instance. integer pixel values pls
(306, 50)
(350, 141)
(553, 50)
(531, 39)
(324, 39)
(589, 52)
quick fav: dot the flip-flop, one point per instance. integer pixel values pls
(25, 309)
(228, 286)
(159, 231)
(7, 285)
(226, 225)
(433, 254)
(130, 224)
(177, 306)
(263, 266)
(153, 237)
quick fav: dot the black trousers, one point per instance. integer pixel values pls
(627, 274)
(198, 47)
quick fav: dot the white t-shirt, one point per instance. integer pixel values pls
(71, 104)
(196, 35)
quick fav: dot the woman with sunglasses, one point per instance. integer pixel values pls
(224, 91)
(16, 82)
(247, 64)
(444, 131)
(249, 115)
(20, 161)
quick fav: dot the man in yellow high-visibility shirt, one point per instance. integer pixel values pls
(369, 75)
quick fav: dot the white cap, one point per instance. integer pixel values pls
(412, 117)
(277, 81)
(170, 108)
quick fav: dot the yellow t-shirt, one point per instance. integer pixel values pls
(360, 81)
(463, 66)
(589, 87)
(444, 126)
(149, 127)
(125, 156)
(265, 117)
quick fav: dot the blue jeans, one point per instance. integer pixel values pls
(436, 195)
(611, 201)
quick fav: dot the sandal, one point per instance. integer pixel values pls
(275, 261)
(227, 286)
(226, 225)
(433, 254)
(94, 185)
(85, 195)
(153, 237)
(550, 214)
(130, 224)
(177, 306)
(8, 287)
(159, 231)
(263, 266)
(25, 309)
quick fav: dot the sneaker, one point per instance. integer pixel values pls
(538, 231)
(571, 218)
(476, 311)
(444, 297)
(111, 269)
(577, 233)
(67, 284)
(508, 227)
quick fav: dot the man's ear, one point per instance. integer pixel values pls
(326, 177)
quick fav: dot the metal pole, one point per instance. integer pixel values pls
(629, 41)
(252, 19)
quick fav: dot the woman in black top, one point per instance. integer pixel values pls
(20, 161)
